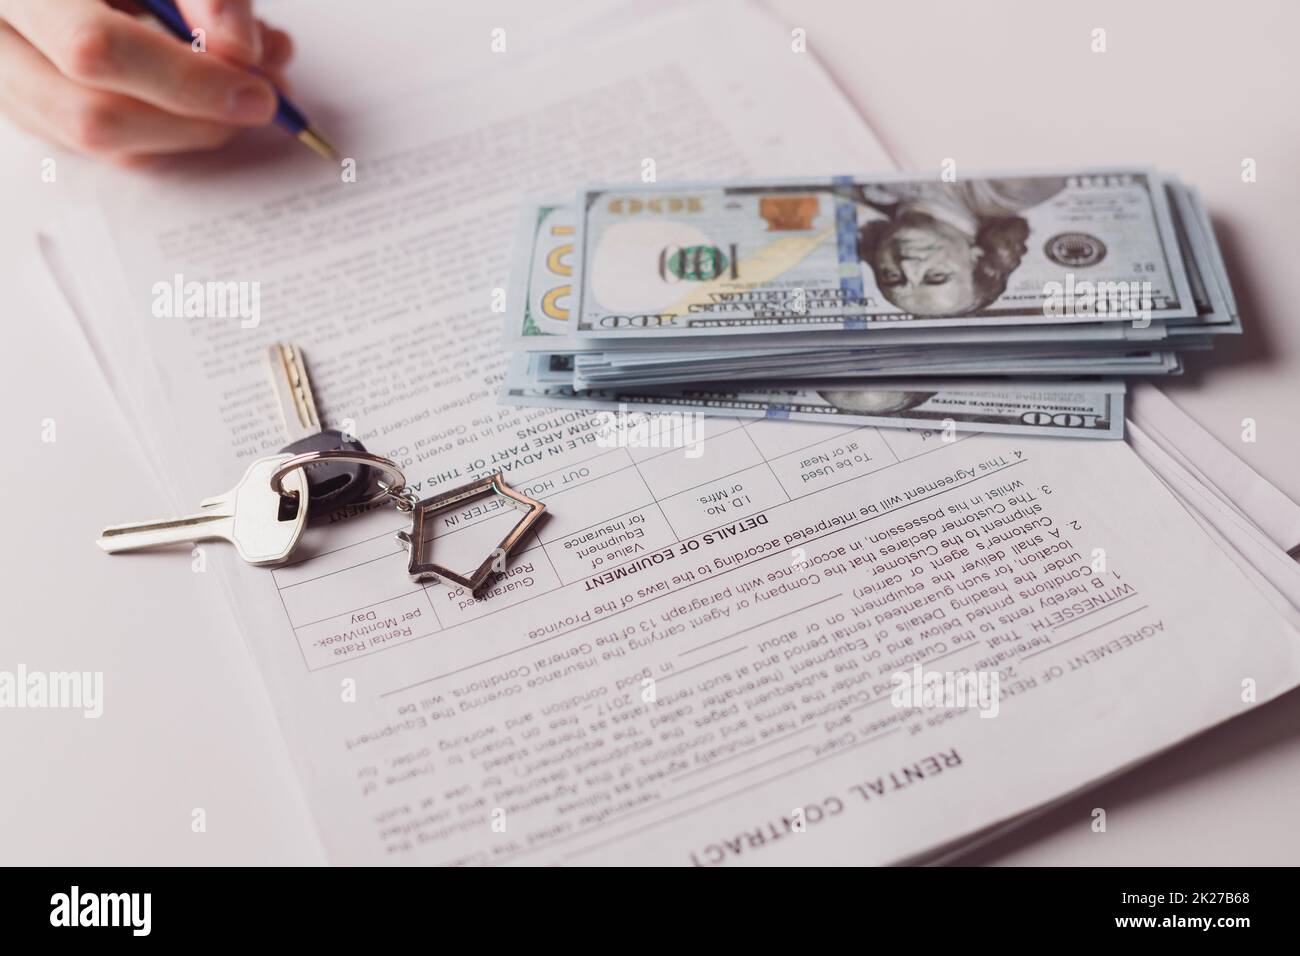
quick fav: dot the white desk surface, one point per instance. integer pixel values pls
(1192, 87)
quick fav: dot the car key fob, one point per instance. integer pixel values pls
(333, 484)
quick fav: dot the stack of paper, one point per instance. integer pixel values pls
(694, 660)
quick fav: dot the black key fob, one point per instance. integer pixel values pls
(333, 484)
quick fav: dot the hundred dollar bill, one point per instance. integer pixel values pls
(541, 300)
(541, 293)
(836, 254)
(1216, 312)
(1077, 410)
(612, 369)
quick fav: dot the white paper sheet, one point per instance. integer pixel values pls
(691, 662)
(1275, 572)
(1237, 486)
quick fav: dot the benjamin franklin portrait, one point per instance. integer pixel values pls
(947, 249)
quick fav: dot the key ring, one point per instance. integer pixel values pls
(422, 512)
(396, 489)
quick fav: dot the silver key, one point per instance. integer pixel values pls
(331, 484)
(248, 516)
(293, 391)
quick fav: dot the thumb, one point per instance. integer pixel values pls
(229, 29)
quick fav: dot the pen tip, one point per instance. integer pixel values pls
(312, 138)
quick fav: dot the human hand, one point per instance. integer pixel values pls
(92, 77)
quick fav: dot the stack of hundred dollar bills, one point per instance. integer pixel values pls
(1002, 303)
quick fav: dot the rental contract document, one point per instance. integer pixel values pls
(696, 659)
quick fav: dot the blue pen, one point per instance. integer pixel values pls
(286, 114)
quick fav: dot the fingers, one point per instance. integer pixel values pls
(277, 47)
(231, 31)
(95, 122)
(102, 48)
(111, 86)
